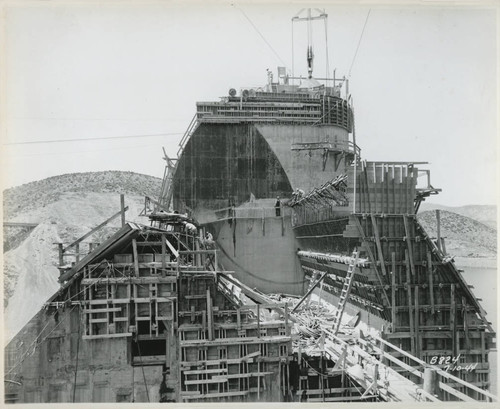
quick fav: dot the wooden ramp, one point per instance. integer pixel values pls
(374, 376)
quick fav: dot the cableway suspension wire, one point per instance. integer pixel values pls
(261, 35)
(92, 139)
(359, 42)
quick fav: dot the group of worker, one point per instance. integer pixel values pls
(296, 196)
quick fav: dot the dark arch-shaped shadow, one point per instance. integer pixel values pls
(228, 162)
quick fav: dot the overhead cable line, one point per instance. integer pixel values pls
(93, 139)
(261, 35)
(359, 42)
(80, 152)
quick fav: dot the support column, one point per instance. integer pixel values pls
(438, 227)
(61, 252)
(431, 381)
(410, 303)
(210, 318)
(431, 280)
(453, 326)
(393, 292)
(417, 324)
(122, 208)
(163, 254)
(136, 257)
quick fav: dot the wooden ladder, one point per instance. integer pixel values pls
(167, 190)
(344, 294)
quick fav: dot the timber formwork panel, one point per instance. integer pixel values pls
(117, 302)
(431, 311)
(432, 315)
(226, 353)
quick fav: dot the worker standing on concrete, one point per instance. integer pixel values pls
(277, 206)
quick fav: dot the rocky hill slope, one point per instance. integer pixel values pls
(464, 236)
(486, 214)
(65, 208)
(20, 200)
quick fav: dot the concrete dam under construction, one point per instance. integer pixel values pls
(277, 265)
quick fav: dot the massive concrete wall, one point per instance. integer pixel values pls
(223, 162)
(45, 354)
(304, 168)
(262, 252)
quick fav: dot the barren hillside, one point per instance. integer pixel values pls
(464, 236)
(486, 214)
(65, 208)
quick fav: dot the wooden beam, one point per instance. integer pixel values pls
(172, 249)
(417, 324)
(258, 320)
(148, 243)
(379, 245)
(206, 371)
(453, 319)
(342, 398)
(306, 295)
(122, 208)
(431, 280)
(287, 329)
(99, 310)
(368, 201)
(438, 226)
(163, 254)
(94, 230)
(212, 395)
(103, 336)
(210, 317)
(372, 258)
(136, 257)
(410, 303)
(393, 292)
(431, 381)
(260, 298)
(409, 246)
(61, 252)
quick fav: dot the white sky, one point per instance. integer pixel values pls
(424, 82)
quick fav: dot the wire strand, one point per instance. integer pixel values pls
(93, 139)
(359, 42)
(261, 35)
